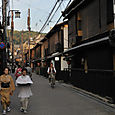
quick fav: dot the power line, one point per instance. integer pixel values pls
(56, 10)
(49, 16)
(45, 24)
(62, 15)
(52, 16)
(54, 13)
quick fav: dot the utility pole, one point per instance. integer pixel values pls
(4, 14)
(17, 15)
(4, 39)
(22, 49)
(28, 21)
(12, 30)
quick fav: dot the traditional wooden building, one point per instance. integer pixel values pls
(91, 52)
(35, 54)
(51, 47)
(56, 41)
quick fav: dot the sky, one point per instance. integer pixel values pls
(39, 9)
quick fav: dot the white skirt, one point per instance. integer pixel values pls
(25, 92)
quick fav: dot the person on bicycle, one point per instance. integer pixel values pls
(51, 72)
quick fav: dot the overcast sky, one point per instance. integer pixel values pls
(40, 10)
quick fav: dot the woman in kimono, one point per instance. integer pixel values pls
(7, 88)
(24, 81)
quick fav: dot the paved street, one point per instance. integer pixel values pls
(58, 101)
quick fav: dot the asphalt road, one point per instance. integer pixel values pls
(57, 101)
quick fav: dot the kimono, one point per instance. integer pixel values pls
(7, 88)
(25, 92)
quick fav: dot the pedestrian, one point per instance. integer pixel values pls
(24, 82)
(7, 88)
(38, 69)
(51, 72)
(18, 72)
(29, 71)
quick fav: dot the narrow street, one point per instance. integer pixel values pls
(74, 39)
(58, 101)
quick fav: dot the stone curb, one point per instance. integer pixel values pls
(98, 98)
(90, 95)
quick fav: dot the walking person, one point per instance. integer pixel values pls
(18, 72)
(38, 69)
(7, 88)
(24, 82)
(51, 72)
(29, 71)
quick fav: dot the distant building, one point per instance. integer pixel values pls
(50, 48)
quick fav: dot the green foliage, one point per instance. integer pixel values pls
(18, 36)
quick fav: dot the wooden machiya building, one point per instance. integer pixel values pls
(35, 55)
(57, 42)
(91, 50)
(50, 49)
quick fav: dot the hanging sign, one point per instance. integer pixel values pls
(2, 45)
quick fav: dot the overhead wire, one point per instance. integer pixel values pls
(49, 16)
(62, 15)
(54, 13)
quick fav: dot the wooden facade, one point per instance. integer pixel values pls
(90, 57)
(55, 42)
(90, 51)
(44, 49)
(89, 19)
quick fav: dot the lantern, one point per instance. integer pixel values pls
(17, 14)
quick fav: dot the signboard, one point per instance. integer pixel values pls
(2, 45)
(56, 58)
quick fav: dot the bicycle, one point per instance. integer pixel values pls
(52, 80)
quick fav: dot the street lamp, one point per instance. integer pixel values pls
(17, 15)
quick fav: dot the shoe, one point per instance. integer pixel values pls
(21, 109)
(8, 109)
(25, 111)
(4, 112)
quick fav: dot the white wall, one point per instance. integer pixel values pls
(65, 37)
(63, 64)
